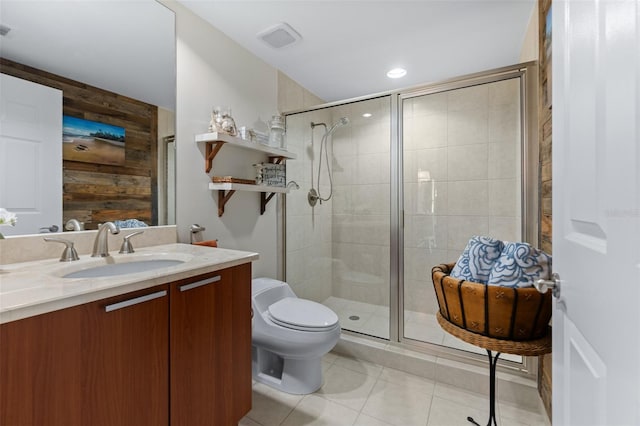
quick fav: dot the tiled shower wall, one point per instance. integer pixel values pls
(462, 151)
(361, 205)
(341, 247)
(308, 229)
(306, 248)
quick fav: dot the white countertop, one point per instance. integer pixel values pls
(33, 288)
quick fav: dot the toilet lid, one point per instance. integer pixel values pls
(301, 314)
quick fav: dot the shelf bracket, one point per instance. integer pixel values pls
(264, 200)
(210, 154)
(222, 200)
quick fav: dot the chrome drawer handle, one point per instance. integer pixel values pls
(135, 301)
(200, 283)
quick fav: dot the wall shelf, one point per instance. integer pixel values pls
(227, 189)
(215, 140)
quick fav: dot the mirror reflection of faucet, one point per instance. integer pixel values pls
(74, 225)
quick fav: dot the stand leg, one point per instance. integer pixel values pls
(493, 361)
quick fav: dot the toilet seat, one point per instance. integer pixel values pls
(303, 315)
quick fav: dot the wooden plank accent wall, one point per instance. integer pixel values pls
(95, 193)
(544, 115)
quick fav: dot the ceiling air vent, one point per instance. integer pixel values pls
(279, 36)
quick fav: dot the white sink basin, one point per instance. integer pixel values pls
(134, 267)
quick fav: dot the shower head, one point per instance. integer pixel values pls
(343, 121)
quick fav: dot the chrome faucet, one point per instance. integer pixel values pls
(101, 243)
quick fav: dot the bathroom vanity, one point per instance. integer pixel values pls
(170, 345)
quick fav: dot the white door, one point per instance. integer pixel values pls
(596, 212)
(30, 155)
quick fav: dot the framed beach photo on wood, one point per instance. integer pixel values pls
(92, 142)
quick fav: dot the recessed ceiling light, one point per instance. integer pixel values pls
(397, 73)
(366, 115)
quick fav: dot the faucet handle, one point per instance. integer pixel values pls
(69, 253)
(126, 244)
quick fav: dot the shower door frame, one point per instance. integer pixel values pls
(527, 72)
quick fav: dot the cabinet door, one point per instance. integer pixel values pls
(40, 377)
(125, 359)
(210, 336)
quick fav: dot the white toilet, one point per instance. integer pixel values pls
(290, 336)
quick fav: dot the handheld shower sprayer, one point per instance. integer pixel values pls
(314, 194)
(342, 122)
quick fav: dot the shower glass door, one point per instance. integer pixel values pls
(337, 252)
(404, 185)
(462, 152)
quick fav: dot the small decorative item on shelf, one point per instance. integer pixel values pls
(259, 175)
(277, 132)
(259, 137)
(231, 179)
(222, 122)
(215, 124)
(229, 124)
(244, 133)
(274, 174)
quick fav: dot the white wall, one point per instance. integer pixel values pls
(530, 46)
(214, 70)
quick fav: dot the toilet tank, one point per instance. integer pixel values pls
(266, 291)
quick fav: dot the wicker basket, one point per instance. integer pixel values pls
(505, 313)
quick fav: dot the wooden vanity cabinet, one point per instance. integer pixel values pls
(210, 345)
(178, 354)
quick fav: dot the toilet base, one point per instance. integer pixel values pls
(295, 376)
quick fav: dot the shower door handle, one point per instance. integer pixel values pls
(553, 284)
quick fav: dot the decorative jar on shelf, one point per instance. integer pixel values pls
(277, 132)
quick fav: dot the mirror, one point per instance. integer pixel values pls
(125, 52)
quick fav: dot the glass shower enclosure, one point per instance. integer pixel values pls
(411, 177)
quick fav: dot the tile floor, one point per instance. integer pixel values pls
(374, 320)
(360, 393)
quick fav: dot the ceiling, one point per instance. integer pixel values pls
(76, 39)
(348, 46)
